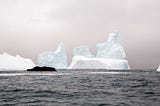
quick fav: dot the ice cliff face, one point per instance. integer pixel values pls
(9, 62)
(82, 51)
(57, 59)
(111, 49)
(81, 62)
(110, 55)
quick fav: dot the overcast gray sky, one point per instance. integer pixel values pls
(28, 27)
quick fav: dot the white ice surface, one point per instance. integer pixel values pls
(81, 62)
(111, 49)
(9, 62)
(158, 69)
(57, 59)
(110, 55)
(82, 51)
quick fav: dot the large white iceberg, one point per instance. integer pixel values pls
(82, 51)
(9, 62)
(57, 59)
(111, 49)
(158, 69)
(110, 55)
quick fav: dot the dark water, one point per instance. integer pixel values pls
(80, 88)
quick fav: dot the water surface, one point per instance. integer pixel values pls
(80, 88)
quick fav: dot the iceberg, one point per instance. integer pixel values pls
(111, 49)
(57, 59)
(82, 51)
(110, 55)
(158, 69)
(9, 62)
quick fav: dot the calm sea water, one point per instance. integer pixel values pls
(80, 88)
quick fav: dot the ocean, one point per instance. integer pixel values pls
(80, 88)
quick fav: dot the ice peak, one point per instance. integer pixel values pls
(60, 47)
(114, 38)
(111, 49)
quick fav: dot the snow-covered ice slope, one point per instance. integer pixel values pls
(9, 62)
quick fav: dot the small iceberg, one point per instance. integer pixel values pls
(158, 69)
